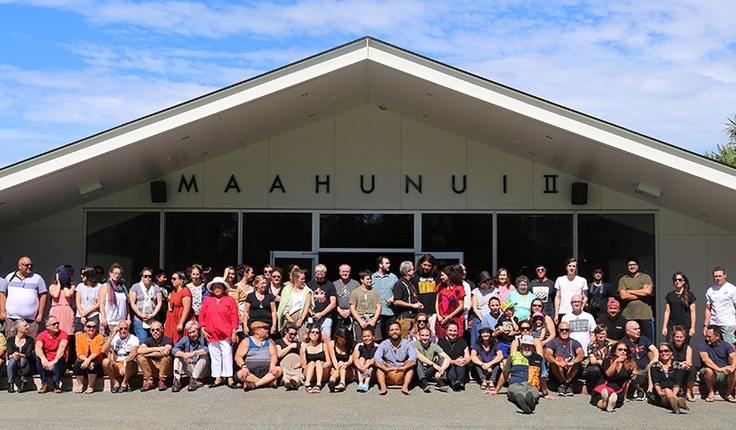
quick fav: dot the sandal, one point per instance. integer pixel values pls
(89, 390)
(730, 399)
(125, 388)
(340, 387)
(309, 388)
(79, 390)
(274, 384)
(115, 389)
(710, 398)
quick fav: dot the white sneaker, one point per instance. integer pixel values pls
(612, 399)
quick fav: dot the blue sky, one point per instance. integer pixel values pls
(73, 68)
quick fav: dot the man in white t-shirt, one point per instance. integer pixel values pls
(124, 348)
(581, 323)
(568, 286)
(720, 308)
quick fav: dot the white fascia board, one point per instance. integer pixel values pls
(555, 116)
(118, 138)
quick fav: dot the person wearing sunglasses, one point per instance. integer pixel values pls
(315, 359)
(89, 357)
(51, 346)
(667, 379)
(618, 368)
(146, 300)
(23, 295)
(121, 350)
(679, 307)
(288, 348)
(154, 358)
(420, 322)
(564, 356)
(257, 359)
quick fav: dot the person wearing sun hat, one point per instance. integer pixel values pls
(218, 320)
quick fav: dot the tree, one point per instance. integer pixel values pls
(726, 153)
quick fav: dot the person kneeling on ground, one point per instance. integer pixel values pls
(191, 355)
(257, 359)
(395, 361)
(523, 370)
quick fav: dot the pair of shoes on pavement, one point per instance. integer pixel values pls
(527, 403)
(609, 400)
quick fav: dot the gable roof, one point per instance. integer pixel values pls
(369, 71)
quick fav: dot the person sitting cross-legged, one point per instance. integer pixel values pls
(395, 361)
(257, 359)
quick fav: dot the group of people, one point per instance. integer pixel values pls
(430, 326)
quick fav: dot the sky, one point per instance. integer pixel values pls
(73, 68)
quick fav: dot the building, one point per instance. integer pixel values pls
(367, 149)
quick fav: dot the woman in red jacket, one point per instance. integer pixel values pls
(218, 319)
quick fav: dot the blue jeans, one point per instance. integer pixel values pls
(141, 333)
(19, 367)
(58, 371)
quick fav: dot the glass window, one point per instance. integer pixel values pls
(207, 238)
(366, 231)
(130, 239)
(266, 232)
(607, 240)
(471, 234)
(526, 241)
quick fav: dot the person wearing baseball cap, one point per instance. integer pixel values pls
(523, 370)
(614, 321)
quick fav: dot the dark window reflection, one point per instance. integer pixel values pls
(265, 232)
(525, 241)
(210, 239)
(469, 233)
(366, 231)
(128, 238)
(607, 240)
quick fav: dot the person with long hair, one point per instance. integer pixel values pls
(679, 307)
(195, 287)
(113, 300)
(87, 300)
(450, 300)
(479, 303)
(618, 369)
(683, 353)
(502, 284)
(421, 321)
(179, 308)
(315, 360)
(288, 349)
(146, 300)
(341, 356)
(297, 301)
(543, 327)
(667, 376)
(276, 283)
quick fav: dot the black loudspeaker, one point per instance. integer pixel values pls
(158, 192)
(579, 193)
